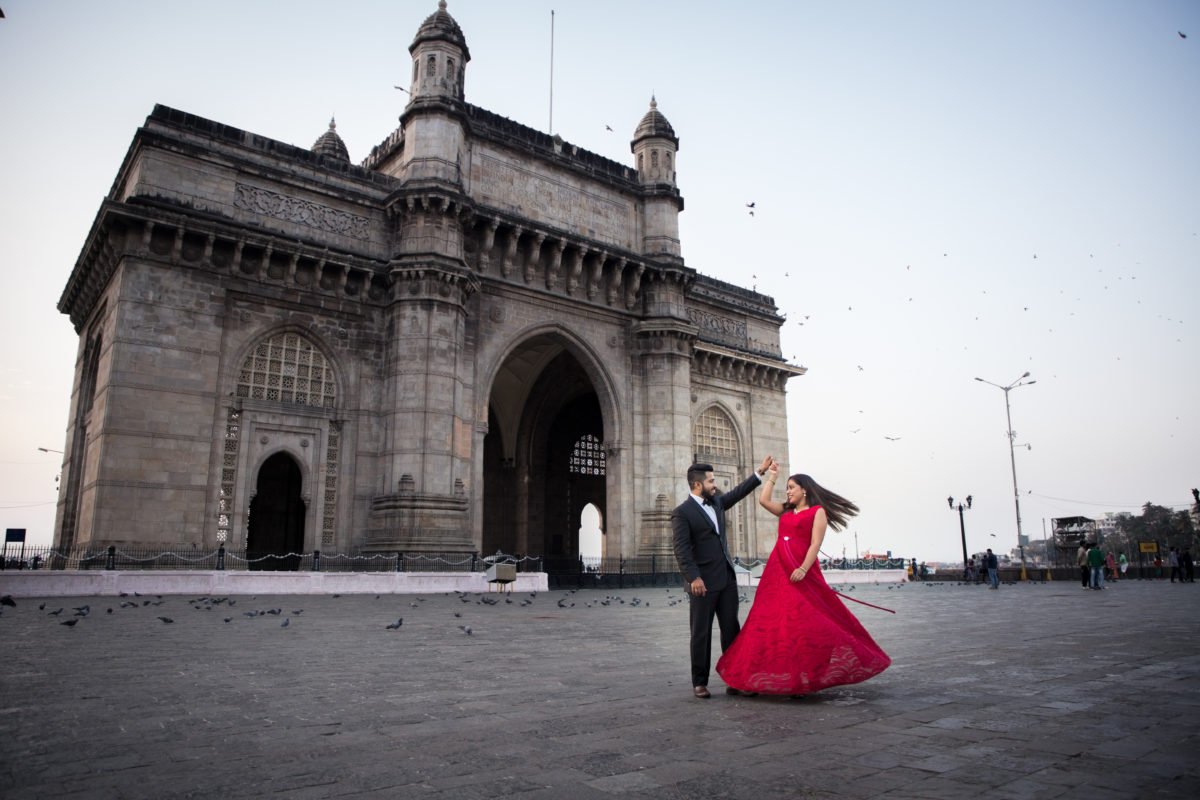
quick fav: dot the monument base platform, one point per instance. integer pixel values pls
(200, 583)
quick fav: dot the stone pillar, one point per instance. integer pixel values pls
(429, 421)
(664, 352)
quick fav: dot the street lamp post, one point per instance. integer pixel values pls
(1012, 444)
(962, 527)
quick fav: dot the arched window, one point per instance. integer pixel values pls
(587, 456)
(714, 437)
(287, 368)
(715, 441)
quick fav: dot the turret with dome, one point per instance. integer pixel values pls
(330, 145)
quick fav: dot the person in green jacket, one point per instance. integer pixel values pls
(1096, 563)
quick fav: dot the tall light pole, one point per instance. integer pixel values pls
(962, 527)
(1012, 444)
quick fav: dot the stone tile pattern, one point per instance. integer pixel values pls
(1035, 691)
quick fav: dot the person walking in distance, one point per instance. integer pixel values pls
(1173, 563)
(702, 552)
(993, 568)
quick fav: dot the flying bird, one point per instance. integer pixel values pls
(892, 438)
(166, 620)
(70, 623)
(395, 626)
(608, 127)
(750, 205)
(1182, 35)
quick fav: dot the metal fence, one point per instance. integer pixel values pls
(563, 570)
(662, 570)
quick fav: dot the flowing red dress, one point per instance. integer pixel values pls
(798, 637)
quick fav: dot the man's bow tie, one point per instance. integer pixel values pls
(706, 501)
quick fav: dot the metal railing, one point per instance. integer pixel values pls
(564, 570)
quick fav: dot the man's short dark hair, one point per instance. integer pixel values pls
(697, 473)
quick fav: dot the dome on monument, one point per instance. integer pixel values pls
(654, 124)
(441, 26)
(330, 145)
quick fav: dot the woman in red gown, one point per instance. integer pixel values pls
(799, 636)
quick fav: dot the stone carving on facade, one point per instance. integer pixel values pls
(555, 265)
(510, 252)
(722, 330)
(302, 212)
(534, 256)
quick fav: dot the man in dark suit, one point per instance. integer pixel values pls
(698, 537)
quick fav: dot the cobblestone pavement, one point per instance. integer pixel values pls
(1032, 691)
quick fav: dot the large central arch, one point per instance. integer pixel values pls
(549, 398)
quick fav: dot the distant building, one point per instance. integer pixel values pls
(1109, 523)
(458, 345)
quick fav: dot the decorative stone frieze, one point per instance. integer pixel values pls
(298, 210)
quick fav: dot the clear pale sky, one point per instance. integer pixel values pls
(942, 190)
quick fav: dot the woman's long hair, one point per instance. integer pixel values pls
(837, 508)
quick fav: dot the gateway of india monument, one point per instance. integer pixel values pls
(458, 345)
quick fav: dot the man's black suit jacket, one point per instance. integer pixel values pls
(701, 551)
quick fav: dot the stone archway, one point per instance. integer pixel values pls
(275, 534)
(542, 406)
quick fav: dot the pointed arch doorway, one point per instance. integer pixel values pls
(275, 535)
(543, 455)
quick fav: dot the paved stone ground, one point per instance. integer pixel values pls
(1033, 691)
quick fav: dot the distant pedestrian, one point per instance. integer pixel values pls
(969, 572)
(1081, 561)
(1157, 565)
(1187, 571)
(1123, 565)
(993, 568)
(916, 572)
(1096, 563)
(1110, 566)
(1173, 563)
